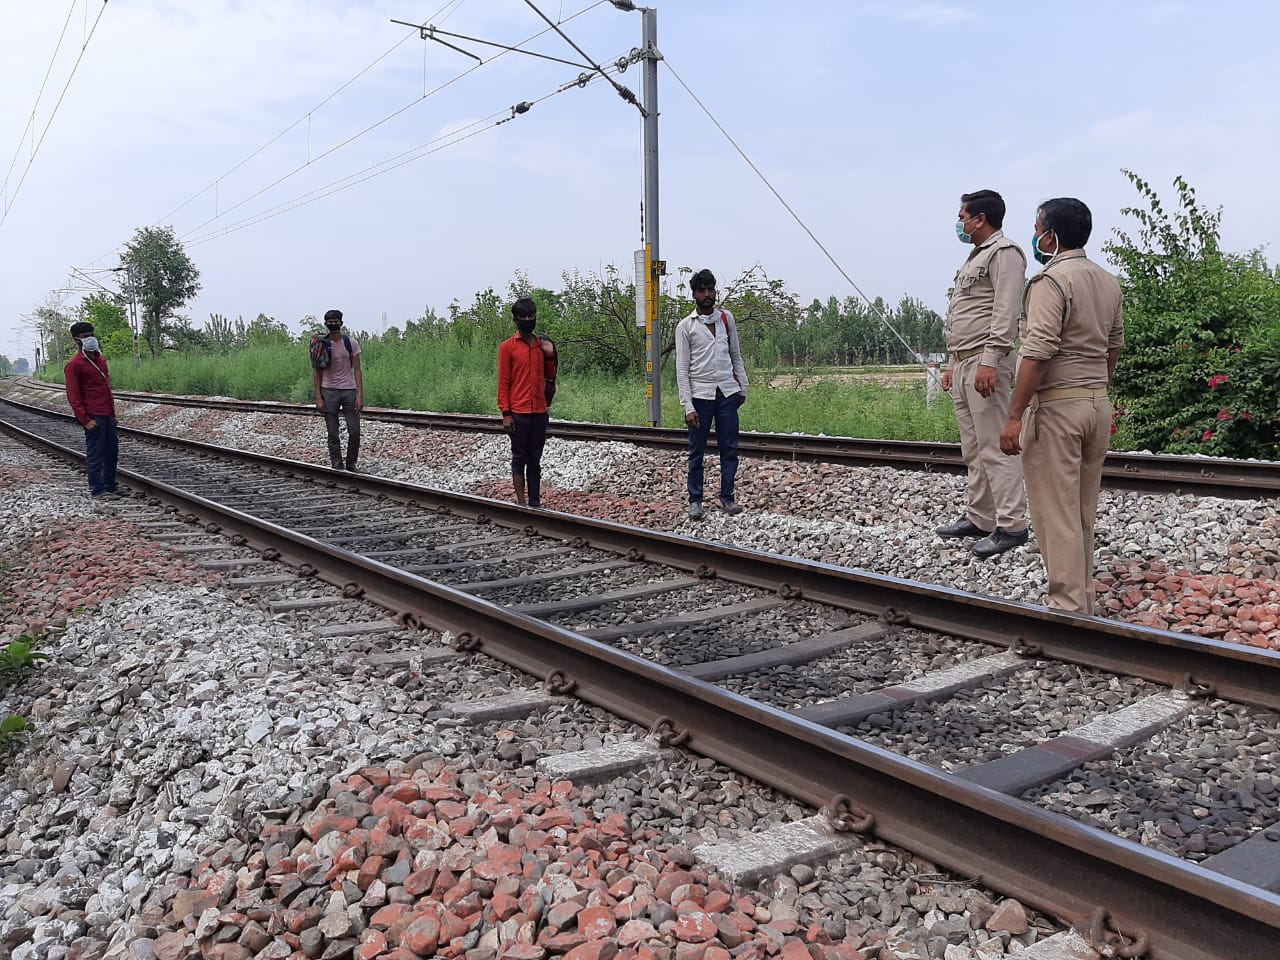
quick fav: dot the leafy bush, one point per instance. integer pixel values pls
(18, 657)
(1202, 332)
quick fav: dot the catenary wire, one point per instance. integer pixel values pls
(443, 14)
(373, 126)
(305, 116)
(4, 190)
(421, 151)
(795, 216)
(52, 115)
(622, 91)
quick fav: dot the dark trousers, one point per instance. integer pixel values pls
(724, 410)
(527, 440)
(102, 450)
(343, 401)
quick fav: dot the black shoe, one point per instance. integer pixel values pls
(961, 528)
(731, 507)
(337, 466)
(998, 542)
(351, 468)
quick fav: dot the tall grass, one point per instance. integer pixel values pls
(445, 376)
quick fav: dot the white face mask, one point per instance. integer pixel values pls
(90, 345)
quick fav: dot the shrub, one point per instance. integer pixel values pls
(1202, 332)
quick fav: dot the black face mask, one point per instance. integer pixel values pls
(334, 327)
(526, 324)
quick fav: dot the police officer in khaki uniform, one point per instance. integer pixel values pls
(1060, 418)
(982, 321)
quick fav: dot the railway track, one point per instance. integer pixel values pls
(1127, 471)
(838, 687)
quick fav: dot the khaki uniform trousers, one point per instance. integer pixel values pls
(1063, 445)
(996, 495)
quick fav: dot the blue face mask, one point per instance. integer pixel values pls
(964, 237)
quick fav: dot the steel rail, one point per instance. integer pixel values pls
(1055, 864)
(1154, 473)
(1236, 672)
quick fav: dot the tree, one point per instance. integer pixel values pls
(267, 331)
(166, 280)
(21, 366)
(110, 325)
(1202, 334)
(53, 323)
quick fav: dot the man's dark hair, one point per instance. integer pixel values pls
(332, 315)
(704, 279)
(524, 307)
(1070, 221)
(986, 202)
(81, 328)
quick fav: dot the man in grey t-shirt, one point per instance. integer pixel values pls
(340, 389)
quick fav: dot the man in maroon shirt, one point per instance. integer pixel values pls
(91, 400)
(526, 381)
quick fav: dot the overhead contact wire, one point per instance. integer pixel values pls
(795, 216)
(374, 126)
(373, 171)
(43, 83)
(61, 96)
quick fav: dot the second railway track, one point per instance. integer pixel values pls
(793, 672)
(1216, 477)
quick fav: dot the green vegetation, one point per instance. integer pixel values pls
(16, 659)
(163, 279)
(1202, 332)
(439, 373)
(1198, 373)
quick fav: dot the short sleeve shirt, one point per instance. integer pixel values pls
(340, 374)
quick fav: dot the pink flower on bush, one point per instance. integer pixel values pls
(1113, 428)
(1208, 435)
(1245, 415)
(1217, 380)
(1224, 414)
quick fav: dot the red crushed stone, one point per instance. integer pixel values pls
(22, 476)
(650, 514)
(77, 564)
(1236, 609)
(410, 866)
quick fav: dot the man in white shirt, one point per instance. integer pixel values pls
(712, 381)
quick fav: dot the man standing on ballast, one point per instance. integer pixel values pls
(982, 322)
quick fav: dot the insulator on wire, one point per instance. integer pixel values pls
(524, 106)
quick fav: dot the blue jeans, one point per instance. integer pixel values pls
(724, 410)
(102, 450)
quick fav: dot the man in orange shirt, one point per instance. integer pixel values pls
(526, 384)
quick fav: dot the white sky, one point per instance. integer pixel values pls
(869, 116)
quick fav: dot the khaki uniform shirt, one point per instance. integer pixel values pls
(1072, 318)
(986, 300)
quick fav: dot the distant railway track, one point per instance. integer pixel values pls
(1214, 477)
(510, 582)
